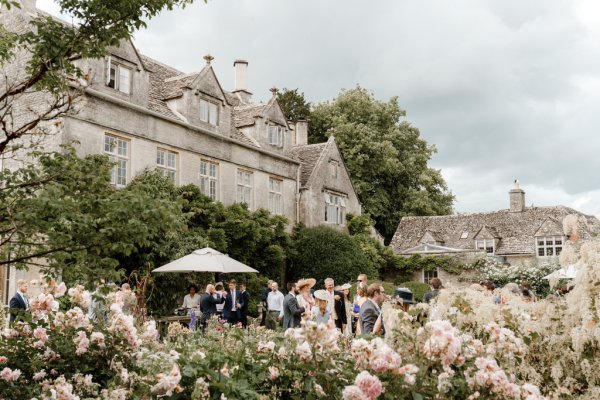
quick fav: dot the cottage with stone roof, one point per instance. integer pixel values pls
(516, 235)
(143, 114)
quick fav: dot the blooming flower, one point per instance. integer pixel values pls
(10, 375)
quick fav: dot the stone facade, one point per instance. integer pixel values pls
(146, 114)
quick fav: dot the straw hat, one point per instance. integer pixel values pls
(321, 295)
(310, 282)
(345, 286)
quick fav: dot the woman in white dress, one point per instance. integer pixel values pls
(304, 297)
(191, 301)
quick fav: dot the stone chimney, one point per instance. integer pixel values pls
(517, 198)
(241, 67)
(301, 131)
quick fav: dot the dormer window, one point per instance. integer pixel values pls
(485, 244)
(276, 135)
(118, 77)
(209, 112)
(548, 246)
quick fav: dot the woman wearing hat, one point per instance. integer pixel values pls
(320, 311)
(304, 297)
(345, 288)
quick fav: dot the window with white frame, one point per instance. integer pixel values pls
(117, 150)
(428, 275)
(276, 135)
(333, 168)
(118, 76)
(275, 196)
(335, 209)
(244, 187)
(209, 112)
(209, 179)
(548, 246)
(485, 244)
(166, 162)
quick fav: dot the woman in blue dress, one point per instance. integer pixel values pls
(321, 312)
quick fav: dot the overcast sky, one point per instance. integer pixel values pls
(505, 89)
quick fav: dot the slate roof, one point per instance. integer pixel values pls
(309, 156)
(245, 115)
(159, 73)
(515, 230)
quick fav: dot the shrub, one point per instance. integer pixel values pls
(323, 252)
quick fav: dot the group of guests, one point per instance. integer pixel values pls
(332, 306)
(230, 304)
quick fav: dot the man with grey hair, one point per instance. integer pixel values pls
(208, 304)
(336, 305)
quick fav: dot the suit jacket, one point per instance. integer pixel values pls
(367, 316)
(16, 304)
(208, 305)
(291, 311)
(340, 307)
(246, 300)
(229, 305)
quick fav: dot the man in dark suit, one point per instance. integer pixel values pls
(370, 311)
(337, 305)
(263, 298)
(19, 302)
(291, 311)
(233, 304)
(208, 304)
(245, 301)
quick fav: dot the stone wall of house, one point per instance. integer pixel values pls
(146, 133)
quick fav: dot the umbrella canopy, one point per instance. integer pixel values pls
(205, 260)
(568, 272)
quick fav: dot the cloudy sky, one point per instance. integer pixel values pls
(504, 89)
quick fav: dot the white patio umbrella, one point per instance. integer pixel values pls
(568, 272)
(205, 260)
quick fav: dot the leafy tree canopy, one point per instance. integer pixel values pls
(386, 158)
(294, 105)
(323, 252)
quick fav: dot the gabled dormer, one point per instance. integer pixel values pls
(199, 99)
(121, 74)
(486, 239)
(549, 238)
(432, 237)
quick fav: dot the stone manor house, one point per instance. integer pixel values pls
(143, 113)
(517, 235)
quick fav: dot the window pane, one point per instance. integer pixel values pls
(112, 76)
(204, 110)
(213, 170)
(202, 168)
(548, 241)
(549, 251)
(213, 114)
(122, 172)
(122, 147)
(171, 158)
(160, 157)
(541, 252)
(213, 190)
(558, 251)
(540, 242)
(124, 79)
(558, 241)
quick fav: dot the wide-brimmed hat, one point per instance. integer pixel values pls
(405, 294)
(310, 282)
(321, 295)
(345, 286)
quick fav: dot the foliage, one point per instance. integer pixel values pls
(293, 104)
(322, 252)
(385, 156)
(532, 274)
(63, 208)
(52, 49)
(417, 288)
(116, 357)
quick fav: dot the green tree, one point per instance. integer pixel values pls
(322, 252)
(386, 158)
(51, 50)
(62, 213)
(294, 105)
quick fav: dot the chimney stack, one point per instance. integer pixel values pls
(241, 90)
(301, 131)
(517, 198)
